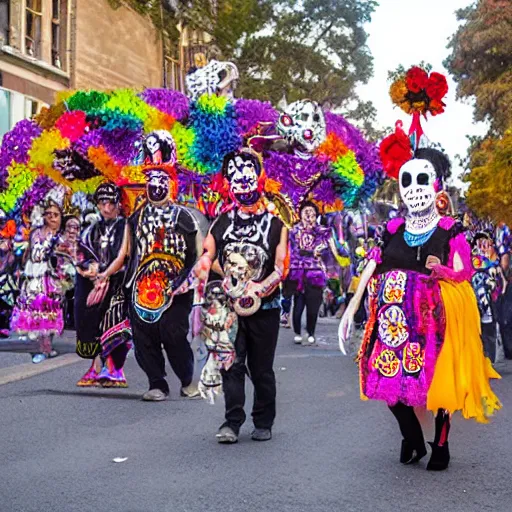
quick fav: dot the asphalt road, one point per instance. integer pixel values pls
(330, 451)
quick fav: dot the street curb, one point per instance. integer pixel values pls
(26, 371)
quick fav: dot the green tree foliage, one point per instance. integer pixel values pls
(283, 48)
(481, 64)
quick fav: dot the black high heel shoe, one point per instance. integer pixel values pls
(440, 457)
(410, 454)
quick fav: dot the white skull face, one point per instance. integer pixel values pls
(214, 78)
(158, 186)
(243, 176)
(303, 126)
(418, 185)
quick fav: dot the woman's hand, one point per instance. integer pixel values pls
(346, 327)
(432, 261)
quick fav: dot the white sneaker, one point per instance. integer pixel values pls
(297, 339)
(311, 340)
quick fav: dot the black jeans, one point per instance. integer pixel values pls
(311, 299)
(411, 429)
(489, 335)
(170, 332)
(255, 343)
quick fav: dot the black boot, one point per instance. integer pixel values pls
(409, 454)
(440, 457)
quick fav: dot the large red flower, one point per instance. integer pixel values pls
(416, 79)
(395, 150)
(437, 86)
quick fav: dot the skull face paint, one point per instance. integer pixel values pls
(419, 186)
(214, 78)
(242, 174)
(308, 216)
(158, 187)
(302, 124)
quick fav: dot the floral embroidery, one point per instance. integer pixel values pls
(387, 363)
(393, 327)
(394, 289)
(413, 358)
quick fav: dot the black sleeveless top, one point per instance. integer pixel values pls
(397, 255)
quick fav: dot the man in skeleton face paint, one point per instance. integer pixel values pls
(422, 346)
(164, 248)
(248, 247)
(103, 329)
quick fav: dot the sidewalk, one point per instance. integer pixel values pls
(15, 360)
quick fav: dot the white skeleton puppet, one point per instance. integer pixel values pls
(219, 331)
(302, 125)
(215, 78)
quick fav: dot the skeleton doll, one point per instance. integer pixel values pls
(219, 332)
(215, 78)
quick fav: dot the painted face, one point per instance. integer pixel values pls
(302, 124)
(72, 230)
(108, 209)
(308, 216)
(243, 180)
(418, 185)
(157, 187)
(52, 218)
(215, 78)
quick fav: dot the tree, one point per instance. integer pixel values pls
(283, 48)
(481, 64)
(481, 61)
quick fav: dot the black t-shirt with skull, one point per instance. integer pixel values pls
(248, 242)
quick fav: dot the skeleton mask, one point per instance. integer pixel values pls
(302, 124)
(216, 307)
(308, 216)
(215, 78)
(157, 186)
(419, 185)
(242, 264)
(242, 174)
(160, 148)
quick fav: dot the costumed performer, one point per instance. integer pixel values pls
(8, 275)
(422, 346)
(101, 310)
(38, 310)
(248, 246)
(164, 250)
(308, 273)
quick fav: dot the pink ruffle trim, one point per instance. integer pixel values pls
(458, 245)
(375, 254)
(394, 224)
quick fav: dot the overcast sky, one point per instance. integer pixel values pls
(407, 32)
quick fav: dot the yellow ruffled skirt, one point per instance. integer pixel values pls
(462, 373)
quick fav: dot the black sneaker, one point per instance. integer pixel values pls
(261, 434)
(226, 435)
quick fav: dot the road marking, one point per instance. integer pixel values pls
(25, 371)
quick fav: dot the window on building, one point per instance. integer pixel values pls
(4, 22)
(172, 74)
(33, 26)
(56, 34)
(5, 112)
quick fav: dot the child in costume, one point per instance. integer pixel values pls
(422, 346)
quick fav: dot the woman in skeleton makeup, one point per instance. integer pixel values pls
(102, 327)
(248, 247)
(421, 346)
(308, 274)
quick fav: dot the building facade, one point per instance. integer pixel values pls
(48, 46)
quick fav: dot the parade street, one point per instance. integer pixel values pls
(330, 451)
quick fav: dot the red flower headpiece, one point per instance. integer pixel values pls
(395, 150)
